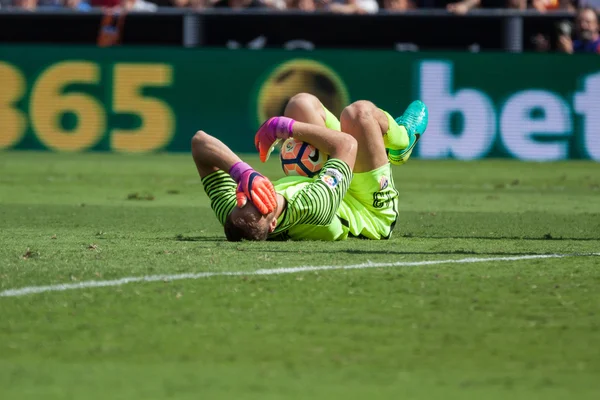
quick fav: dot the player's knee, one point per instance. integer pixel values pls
(302, 104)
(358, 111)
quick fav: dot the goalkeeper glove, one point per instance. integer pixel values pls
(254, 187)
(270, 133)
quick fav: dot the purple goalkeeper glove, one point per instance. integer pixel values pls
(270, 133)
(254, 187)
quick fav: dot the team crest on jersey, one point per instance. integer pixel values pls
(383, 182)
(331, 177)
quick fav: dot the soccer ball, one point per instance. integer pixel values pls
(301, 159)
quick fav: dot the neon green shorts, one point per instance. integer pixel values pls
(370, 207)
(371, 204)
(331, 120)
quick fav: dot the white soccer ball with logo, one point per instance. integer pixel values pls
(301, 159)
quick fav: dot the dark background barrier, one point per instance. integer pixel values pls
(83, 28)
(480, 30)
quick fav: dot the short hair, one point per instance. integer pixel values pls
(240, 228)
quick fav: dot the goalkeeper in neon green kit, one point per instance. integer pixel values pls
(352, 196)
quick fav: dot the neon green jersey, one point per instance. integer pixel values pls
(362, 205)
(368, 210)
(312, 203)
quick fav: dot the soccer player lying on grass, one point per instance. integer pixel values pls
(354, 193)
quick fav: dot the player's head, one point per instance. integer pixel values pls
(248, 223)
(587, 23)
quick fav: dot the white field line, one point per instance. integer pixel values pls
(275, 271)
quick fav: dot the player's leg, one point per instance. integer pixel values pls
(305, 107)
(378, 135)
(372, 185)
(367, 124)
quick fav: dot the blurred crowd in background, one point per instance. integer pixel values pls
(579, 36)
(336, 6)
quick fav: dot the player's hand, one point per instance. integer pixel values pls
(565, 44)
(270, 133)
(254, 187)
(259, 190)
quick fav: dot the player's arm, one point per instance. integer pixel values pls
(338, 145)
(211, 155)
(318, 202)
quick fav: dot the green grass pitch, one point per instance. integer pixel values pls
(525, 329)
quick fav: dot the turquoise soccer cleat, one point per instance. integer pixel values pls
(414, 120)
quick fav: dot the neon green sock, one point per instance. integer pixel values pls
(396, 138)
